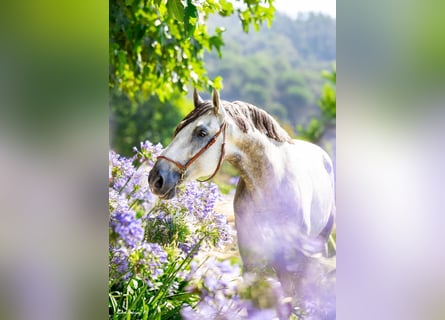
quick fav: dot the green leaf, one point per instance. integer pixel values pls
(218, 83)
(176, 9)
(217, 42)
(226, 8)
(190, 12)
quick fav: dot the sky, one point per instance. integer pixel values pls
(293, 7)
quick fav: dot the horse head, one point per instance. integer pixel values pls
(197, 148)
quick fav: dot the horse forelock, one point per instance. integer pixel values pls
(246, 116)
(197, 112)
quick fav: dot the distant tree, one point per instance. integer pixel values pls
(254, 92)
(296, 98)
(292, 92)
(318, 126)
(328, 101)
(314, 36)
(279, 111)
(289, 78)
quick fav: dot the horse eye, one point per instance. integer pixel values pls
(202, 133)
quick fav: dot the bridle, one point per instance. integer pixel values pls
(183, 167)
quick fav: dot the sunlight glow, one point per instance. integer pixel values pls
(293, 8)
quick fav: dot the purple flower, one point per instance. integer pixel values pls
(151, 259)
(137, 187)
(189, 245)
(218, 290)
(120, 261)
(198, 198)
(197, 202)
(128, 227)
(148, 152)
(319, 300)
(120, 170)
(116, 200)
(220, 285)
(146, 261)
(234, 180)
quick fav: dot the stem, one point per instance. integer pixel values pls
(167, 283)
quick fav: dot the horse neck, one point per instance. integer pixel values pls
(255, 156)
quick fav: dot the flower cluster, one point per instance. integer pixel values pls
(153, 241)
(128, 189)
(147, 260)
(198, 200)
(120, 170)
(221, 286)
(123, 220)
(148, 152)
(318, 298)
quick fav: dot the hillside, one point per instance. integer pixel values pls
(279, 68)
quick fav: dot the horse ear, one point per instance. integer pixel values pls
(217, 103)
(197, 100)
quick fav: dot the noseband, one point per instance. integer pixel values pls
(183, 167)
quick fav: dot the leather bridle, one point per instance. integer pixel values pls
(183, 167)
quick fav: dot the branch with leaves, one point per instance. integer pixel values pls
(157, 46)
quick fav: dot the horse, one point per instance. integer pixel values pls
(284, 201)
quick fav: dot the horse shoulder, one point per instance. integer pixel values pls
(308, 157)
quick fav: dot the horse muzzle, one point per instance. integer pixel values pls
(163, 180)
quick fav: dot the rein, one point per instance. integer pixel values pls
(183, 167)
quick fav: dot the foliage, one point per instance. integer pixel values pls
(318, 126)
(157, 46)
(149, 120)
(327, 102)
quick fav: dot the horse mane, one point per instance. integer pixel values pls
(245, 115)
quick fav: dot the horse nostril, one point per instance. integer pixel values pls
(159, 182)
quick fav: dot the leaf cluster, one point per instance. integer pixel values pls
(157, 46)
